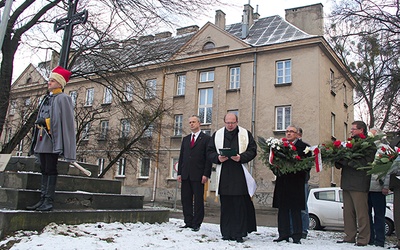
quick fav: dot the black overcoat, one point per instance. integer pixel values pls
(289, 188)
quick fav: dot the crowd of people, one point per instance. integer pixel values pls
(232, 147)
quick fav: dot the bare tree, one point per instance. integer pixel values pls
(31, 24)
(365, 34)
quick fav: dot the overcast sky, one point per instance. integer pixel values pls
(233, 10)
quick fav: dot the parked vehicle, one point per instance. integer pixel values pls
(325, 207)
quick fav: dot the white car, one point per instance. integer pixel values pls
(325, 207)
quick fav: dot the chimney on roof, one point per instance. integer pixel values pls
(162, 35)
(146, 38)
(255, 14)
(220, 20)
(308, 18)
(247, 19)
(188, 29)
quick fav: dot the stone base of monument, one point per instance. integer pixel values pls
(78, 199)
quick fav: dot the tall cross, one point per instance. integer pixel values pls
(67, 24)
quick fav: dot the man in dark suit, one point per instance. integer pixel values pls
(194, 170)
(289, 195)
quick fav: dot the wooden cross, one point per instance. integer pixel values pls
(67, 24)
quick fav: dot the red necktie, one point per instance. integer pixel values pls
(192, 141)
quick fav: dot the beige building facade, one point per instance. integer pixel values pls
(266, 70)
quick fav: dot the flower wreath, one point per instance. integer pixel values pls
(351, 150)
(383, 161)
(281, 156)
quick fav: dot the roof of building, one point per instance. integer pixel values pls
(147, 50)
(268, 30)
(130, 53)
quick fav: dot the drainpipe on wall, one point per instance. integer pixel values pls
(253, 105)
(158, 142)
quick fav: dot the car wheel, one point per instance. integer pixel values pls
(389, 227)
(314, 223)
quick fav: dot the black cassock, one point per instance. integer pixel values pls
(237, 210)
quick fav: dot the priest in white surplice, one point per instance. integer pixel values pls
(235, 185)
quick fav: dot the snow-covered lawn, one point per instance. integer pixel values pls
(162, 236)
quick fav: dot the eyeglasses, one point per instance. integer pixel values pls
(354, 129)
(230, 123)
(290, 131)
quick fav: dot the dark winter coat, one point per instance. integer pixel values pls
(289, 188)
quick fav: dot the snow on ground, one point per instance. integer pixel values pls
(168, 235)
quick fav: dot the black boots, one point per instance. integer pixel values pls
(43, 187)
(47, 204)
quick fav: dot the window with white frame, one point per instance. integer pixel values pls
(207, 76)
(178, 125)
(205, 105)
(333, 120)
(85, 132)
(21, 145)
(8, 136)
(100, 163)
(125, 128)
(181, 85)
(107, 95)
(144, 167)
(121, 164)
(74, 95)
(332, 80)
(128, 92)
(89, 97)
(174, 167)
(283, 72)
(20, 148)
(345, 131)
(149, 131)
(13, 107)
(104, 126)
(283, 116)
(234, 78)
(150, 89)
(27, 101)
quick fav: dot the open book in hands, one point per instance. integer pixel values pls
(228, 152)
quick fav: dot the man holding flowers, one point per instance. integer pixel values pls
(355, 183)
(289, 195)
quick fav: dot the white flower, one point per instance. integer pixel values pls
(307, 150)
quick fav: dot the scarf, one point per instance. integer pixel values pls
(243, 143)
